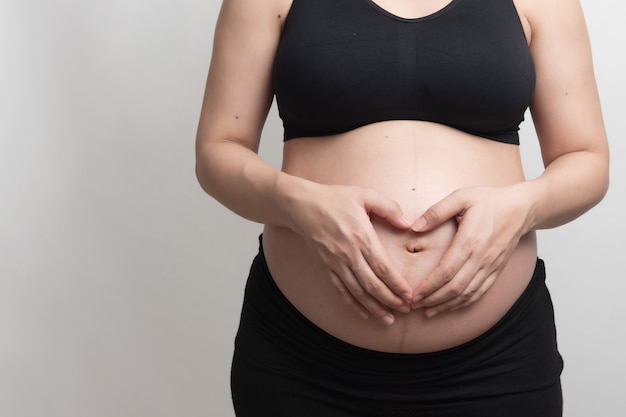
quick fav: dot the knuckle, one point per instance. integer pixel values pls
(496, 247)
(500, 245)
(488, 256)
(359, 241)
(343, 249)
(433, 213)
(373, 287)
(343, 255)
(468, 295)
(428, 288)
(472, 240)
(456, 289)
(447, 273)
(359, 236)
(480, 292)
(380, 268)
(358, 293)
(343, 291)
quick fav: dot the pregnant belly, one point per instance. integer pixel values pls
(402, 161)
(306, 282)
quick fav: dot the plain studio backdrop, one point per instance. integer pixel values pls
(121, 281)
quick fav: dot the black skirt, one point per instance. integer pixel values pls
(286, 366)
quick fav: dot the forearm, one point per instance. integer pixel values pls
(236, 177)
(570, 185)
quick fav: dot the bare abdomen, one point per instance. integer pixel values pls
(415, 164)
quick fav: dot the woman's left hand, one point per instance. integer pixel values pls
(491, 221)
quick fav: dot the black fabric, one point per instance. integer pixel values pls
(342, 64)
(285, 366)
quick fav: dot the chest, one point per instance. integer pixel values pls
(465, 63)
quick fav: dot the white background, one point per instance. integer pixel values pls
(121, 282)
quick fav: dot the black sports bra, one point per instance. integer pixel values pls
(342, 64)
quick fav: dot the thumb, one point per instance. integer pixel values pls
(439, 213)
(387, 209)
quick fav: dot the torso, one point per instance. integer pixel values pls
(416, 163)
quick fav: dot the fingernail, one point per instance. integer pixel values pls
(388, 320)
(407, 297)
(419, 224)
(417, 298)
(405, 309)
(431, 313)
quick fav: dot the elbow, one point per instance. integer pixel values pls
(202, 171)
(215, 165)
(604, 183)
(203, 176)
(602, 178)
(605, 176)
(199, 177)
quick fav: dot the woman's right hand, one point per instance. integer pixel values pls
(335, 222)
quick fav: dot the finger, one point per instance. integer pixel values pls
(356, 281)
(378, 289)
(451, 263)
(440, 212)
(464, 245)
(481, 291)
(382, 280)
(347, 296)
(455, 298)
(364, 299)
(458, 290)
(385, 208)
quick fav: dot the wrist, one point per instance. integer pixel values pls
(531, 194)
(293, 194)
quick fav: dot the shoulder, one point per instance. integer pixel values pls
(550, 15)
(261, 11)
(249, 26)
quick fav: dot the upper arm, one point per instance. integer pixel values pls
(566, 108)
(239, 88)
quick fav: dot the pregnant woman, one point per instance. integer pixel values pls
(398, 273)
